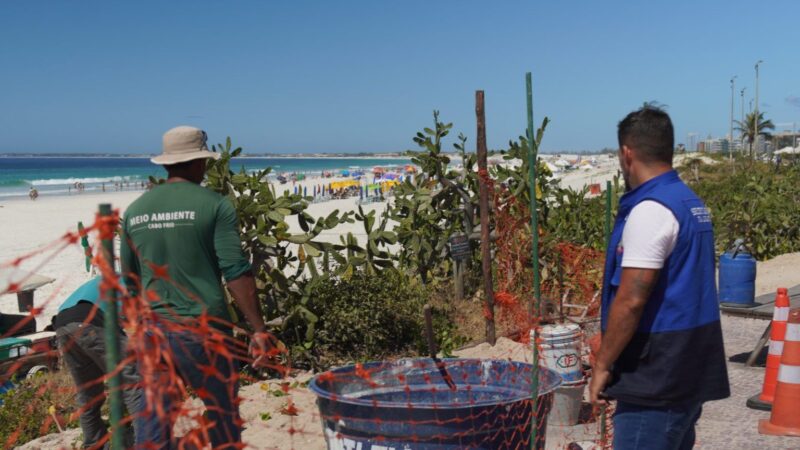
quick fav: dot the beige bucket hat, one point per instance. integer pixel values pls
(182, 144)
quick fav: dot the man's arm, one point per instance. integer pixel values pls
(623, 319)
(243, 290)
(264, 347)
(241, 284)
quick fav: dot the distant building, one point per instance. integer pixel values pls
(717, 145)
(786, 139)
(701, 146)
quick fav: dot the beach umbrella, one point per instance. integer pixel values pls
(87, 251)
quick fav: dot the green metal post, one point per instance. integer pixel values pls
(609, 195)
(535, 232)
(109, 295)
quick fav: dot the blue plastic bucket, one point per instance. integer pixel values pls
(407, 404)
(737, 279)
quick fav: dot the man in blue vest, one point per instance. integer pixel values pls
(661, 354)
(79, 327)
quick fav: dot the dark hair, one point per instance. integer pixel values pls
(179, 168)
(648, 132)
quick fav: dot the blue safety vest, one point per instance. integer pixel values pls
(676, 355)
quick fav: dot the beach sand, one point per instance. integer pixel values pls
(36, 228)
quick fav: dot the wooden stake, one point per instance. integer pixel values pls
(486, 249)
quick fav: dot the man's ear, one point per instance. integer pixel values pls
(627, 155)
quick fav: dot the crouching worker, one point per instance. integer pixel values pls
(79, 327)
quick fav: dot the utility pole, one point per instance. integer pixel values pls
(741, 138)
(755, 118)
(730, 136)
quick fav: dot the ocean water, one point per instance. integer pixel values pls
(58, 175)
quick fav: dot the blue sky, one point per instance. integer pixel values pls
(341, 76)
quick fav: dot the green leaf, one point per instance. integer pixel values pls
(267, 240)
(298, 238)
(301, 219)
(275, 216)
(312, 251)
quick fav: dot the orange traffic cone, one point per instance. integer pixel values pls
(777, 332)
(785, 417)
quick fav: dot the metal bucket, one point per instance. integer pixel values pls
(407, 404)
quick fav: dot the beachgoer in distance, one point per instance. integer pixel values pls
(33, 193)
(661, 355)
(79, 327)
(192, 233)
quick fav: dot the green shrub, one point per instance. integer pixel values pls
(757, 203)
(24, 412)
(366, 317)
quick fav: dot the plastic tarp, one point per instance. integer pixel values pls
(336, 185)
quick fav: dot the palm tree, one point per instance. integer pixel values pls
(750, 131)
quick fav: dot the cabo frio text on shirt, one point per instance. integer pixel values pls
(161, 219)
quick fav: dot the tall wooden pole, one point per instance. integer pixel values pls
(109, 296)
(486, 248)
(533, 310)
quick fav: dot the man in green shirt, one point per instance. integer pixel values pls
(179, 240)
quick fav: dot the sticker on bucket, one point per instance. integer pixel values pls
(338, 442)
(567, 361)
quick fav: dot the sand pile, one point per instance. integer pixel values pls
(504, 348)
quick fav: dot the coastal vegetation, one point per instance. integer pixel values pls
(311, 283)
(754, 201)
(305, 280)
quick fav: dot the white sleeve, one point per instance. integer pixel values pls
(649, 237)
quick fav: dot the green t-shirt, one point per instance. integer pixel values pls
(193, 234)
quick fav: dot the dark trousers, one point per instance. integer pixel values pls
(642, 428)
(211, 376)
(83, 348)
